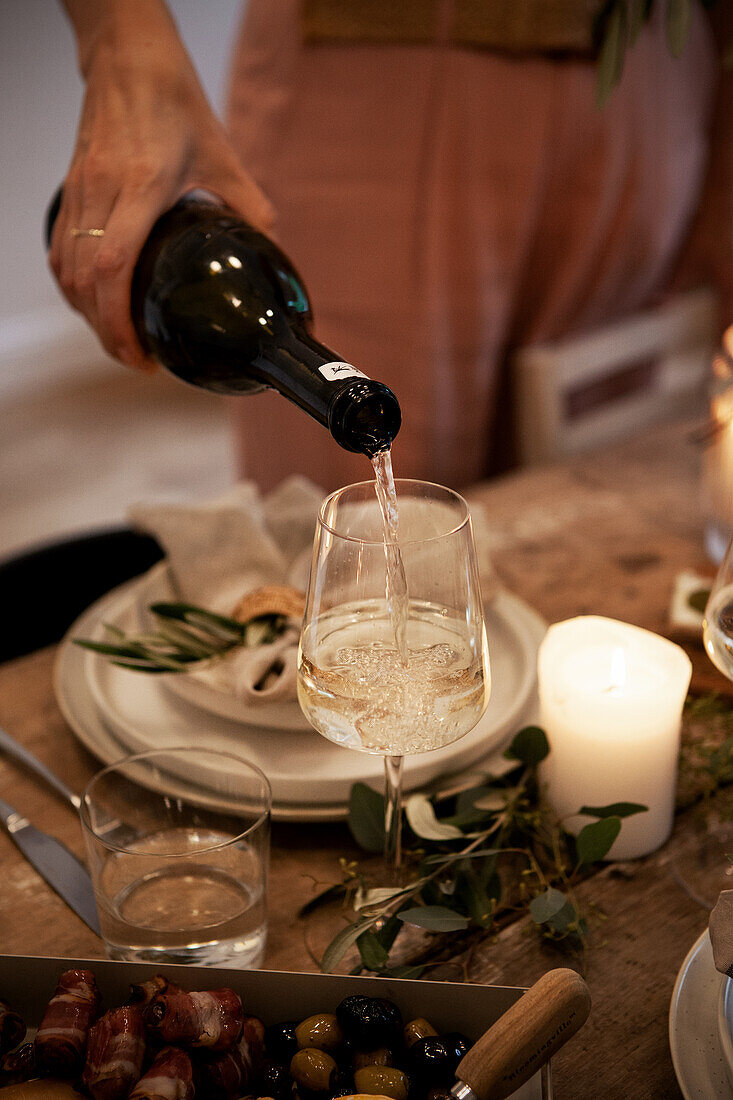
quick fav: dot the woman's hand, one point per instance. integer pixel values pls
(146, 136)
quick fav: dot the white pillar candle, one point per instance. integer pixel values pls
(611, 698)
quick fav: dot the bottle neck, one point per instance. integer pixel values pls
(362, 415)
(292, 365)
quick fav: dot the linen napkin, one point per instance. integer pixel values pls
(220, 550)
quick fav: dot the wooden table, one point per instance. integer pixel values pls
(605, 534)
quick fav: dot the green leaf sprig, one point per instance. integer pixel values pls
(476, 860)
(184, 635)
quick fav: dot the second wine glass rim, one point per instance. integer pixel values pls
(398, 481)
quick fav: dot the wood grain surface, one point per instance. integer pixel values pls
(603, 534)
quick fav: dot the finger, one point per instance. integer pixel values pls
(61, 256)
(128, 227)
(99, 193)
(239, 190)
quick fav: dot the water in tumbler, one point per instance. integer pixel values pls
(205, 906)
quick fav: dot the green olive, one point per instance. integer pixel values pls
(322, 1031)
(313, 1069)
(382, 1081)
(380, 1057)
(416, 1029)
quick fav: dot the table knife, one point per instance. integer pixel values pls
(19, 752)
(55, 863)
(522, 1041)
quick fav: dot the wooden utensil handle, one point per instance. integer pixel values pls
(529, 1033)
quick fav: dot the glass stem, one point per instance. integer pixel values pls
(393, 811)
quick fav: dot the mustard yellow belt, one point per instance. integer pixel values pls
(514, 26)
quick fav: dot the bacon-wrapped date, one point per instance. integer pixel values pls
(18, 1065)
(115, 1053)
(169, 1078)
(227, 1075)
(142, 993)
(212, 1019)
(62, 1037)
(252, 1043)
(12, 1028)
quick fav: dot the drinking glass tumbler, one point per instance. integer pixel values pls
(178, 844)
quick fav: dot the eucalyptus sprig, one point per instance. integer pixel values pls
(483, 856)
(706, 757)
(184, 635)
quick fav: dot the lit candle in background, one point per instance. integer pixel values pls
(611, 698)
(718, 455)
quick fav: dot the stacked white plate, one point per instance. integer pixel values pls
(700, 1024)
(114, 712)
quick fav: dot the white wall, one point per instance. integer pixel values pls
(40, 94)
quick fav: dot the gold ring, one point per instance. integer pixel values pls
(87, 232)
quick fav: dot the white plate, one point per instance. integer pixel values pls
(78, 708)
(694, 1040)
(311, 778)
(725, 1026)
(154, 586)
(80, 712)
(301, 765)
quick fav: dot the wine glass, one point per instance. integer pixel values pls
(354, 685)
(718, 618)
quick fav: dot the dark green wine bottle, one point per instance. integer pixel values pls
(218, 304)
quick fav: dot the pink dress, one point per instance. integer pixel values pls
(445, 205)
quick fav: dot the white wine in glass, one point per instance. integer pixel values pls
(356, 685)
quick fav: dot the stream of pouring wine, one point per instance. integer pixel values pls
(397, 595)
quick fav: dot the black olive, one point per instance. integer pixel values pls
(434, 1061)
(439, 1094)
(343, 1082)
(392, 1016)
(280, 1041)
(273, 1079)
(369, 1022)
(344, 1055)
(457, 1043)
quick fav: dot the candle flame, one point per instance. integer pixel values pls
(618, 669)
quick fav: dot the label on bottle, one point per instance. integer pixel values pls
(336, 372)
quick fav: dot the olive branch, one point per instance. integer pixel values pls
(482, 858)
(184, 635)
(476, 861)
